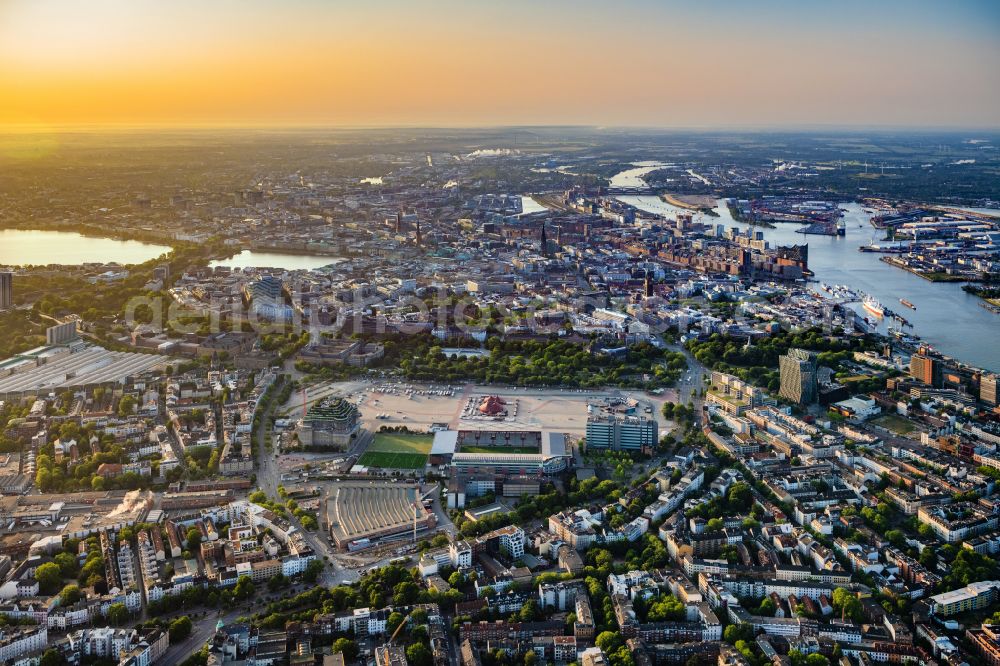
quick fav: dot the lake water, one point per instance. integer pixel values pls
(283, 260)
(946, 317)
(28, 247)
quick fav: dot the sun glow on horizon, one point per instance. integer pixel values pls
(257, 63)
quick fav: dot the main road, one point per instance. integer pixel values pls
(202, 631)
(268, 479)
(692, 382)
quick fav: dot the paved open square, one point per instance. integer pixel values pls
(562, 410)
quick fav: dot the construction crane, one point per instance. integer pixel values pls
(392, 639)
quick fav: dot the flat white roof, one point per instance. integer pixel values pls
(445, 442)
(969, 591)
(553, 445)
(90, 364)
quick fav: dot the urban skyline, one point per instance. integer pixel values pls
(440, 333)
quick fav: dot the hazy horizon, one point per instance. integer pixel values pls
(15, 128)
(727, 65)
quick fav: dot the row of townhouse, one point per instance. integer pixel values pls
(500, 630)
(362, 621)
(123, 646)
(773, 626)
(633, 584)
(148, 650)
(761, 587)
(571, 596)
(700, 623)
(50, 613)
(958, 521)
(22, 640)
(583, 528)
(673, 496)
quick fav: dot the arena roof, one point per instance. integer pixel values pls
(374, 510)
(552, 444)
(445, 442)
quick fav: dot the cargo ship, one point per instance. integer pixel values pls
(908, 304)
(872, 305)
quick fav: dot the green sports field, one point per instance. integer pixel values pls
(895, 423)
(397, 451)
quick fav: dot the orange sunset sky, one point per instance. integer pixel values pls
(382, 62)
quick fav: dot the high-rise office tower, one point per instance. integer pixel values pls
(6, 291)
(267, 299)
(798, 376)
(988, 389)
(925, 369)
(267, 287)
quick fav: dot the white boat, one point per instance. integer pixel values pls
(871, 304)
(865, 326)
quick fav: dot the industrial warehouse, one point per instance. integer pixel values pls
(75, 364)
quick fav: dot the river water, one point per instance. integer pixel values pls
(946, 317)
(529, 205)
(633, 177)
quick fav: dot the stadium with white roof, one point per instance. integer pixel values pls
(527, 452)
